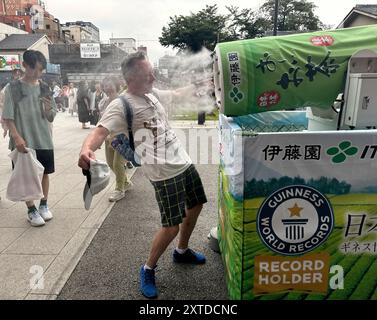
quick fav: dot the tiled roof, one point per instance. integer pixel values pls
(19, 41)
(367, 8)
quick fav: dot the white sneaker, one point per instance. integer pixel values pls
(45, 213)
(116, 196)
(35, 219)
(128, 185)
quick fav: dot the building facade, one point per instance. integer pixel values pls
(128, 45)
(360, 15)
(6, 30)
(143, 49)
(81, 31)
(49, 26)
(75, 68)
(19, 22)
(17, 7)
(13, 47)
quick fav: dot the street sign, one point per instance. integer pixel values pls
(90, 50)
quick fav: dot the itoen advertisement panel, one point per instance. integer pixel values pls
(299, 221)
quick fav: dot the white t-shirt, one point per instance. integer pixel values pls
(162, 155)
(56, 91)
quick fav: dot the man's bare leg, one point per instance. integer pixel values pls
(45, 186)
(161, 240)
(188, 225)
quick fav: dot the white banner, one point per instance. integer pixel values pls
(90, 50)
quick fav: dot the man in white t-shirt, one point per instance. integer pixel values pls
(179, 190)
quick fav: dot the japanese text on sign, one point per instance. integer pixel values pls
(90, 50)
(234, 67)
(292, 152)
(326, 67)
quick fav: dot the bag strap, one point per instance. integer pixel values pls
(129, 118)
(16, 93)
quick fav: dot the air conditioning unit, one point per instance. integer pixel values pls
(361, 100)
(360, 95)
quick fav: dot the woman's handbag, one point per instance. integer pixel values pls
(94, 117)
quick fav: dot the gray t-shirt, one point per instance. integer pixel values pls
(32, 126)
(162, 155)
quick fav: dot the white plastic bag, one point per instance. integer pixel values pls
(25, 183)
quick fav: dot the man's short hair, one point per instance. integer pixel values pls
(31, 57)
(129, 63)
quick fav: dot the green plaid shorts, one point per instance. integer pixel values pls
(176, 194)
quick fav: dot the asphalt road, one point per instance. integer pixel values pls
(109, 269)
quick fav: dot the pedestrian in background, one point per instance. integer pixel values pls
(64, 96)
(83, 104)
(72, 99)
(97, 97)
(16, 74)
(28, 109)
(115, 161)
(58, 93)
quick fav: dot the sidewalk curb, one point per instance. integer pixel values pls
(66, 261)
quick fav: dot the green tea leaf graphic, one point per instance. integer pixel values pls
(344, 145)
(332, 151)
(351, 151)
(341, 157)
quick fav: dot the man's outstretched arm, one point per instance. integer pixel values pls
(93, 141)
(193, 89)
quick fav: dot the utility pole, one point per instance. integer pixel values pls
(276, 17)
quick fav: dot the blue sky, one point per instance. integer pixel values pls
(144, 19)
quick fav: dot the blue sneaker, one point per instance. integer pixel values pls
(189, 256)
(148, 283)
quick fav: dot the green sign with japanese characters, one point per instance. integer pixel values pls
(293, 71)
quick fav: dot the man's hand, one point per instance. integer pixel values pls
(20, 144)
(84, 160)
(91, 144)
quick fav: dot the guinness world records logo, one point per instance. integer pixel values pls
(295, 220)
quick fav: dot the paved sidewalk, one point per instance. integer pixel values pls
(109, 269)
(26, 253)
(193, 124)
(53, 251)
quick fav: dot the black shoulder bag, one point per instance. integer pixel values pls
(126, 146)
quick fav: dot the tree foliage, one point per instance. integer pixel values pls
(294, 15)
(202, 29)
(247, 23)
(207, 27)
